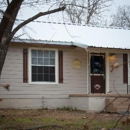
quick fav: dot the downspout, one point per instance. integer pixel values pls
(86, 49)
(128, 73)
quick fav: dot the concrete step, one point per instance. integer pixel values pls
(121, 103)
(118, 105)
(109, 100)
(121, 108)
(110, 109)
(117, 109)
(114, 104)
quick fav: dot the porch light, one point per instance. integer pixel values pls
(111, 54)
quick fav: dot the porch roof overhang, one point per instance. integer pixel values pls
(67, 43)
(47, 42)
(107, 49)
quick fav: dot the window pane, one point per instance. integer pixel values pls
(40, 61)
(97, 64)
(34, 77)
(46, 77)
(46, 61)
(40, 69)
(46, 70)
(40, 77)
(40, 53)
(46, 53)
(52, 70)
(34, 53)
(43, 65)
(52, 78)
(34, 69)
(52, 61)
(34, 60)
(52, 53)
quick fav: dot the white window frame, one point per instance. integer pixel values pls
(56, 66)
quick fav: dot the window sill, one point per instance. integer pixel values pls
(42, 83)
(98, 74)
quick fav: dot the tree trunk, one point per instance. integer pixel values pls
(3, 53)
(6, 26)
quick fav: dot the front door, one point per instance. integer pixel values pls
(97, 72)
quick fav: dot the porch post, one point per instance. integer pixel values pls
(128, 84)
(87, 72)
(107, 72)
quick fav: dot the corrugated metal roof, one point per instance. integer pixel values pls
(78, 24)
(107, 47)
(78, 35)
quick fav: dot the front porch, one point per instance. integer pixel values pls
(102, 77)
(100, 102)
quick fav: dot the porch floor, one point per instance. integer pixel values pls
(101, 95)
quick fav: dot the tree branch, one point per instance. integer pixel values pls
(8, 2)
(33, 18)
(6, 86)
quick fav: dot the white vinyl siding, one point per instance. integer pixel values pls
(74, 80)
(116, 76)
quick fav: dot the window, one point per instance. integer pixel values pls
(43, 66)
(97, 64)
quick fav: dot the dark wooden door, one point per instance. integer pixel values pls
(97, 72)
(97, 84)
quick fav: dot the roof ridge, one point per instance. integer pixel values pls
(77, 24)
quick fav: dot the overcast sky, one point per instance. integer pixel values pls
(121, 2)
(116, 3)
(28, 12)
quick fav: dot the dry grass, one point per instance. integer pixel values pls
(54, 120)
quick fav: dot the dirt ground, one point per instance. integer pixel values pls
(30, 119)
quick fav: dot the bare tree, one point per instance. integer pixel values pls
(122, 17)
(78, 11)
(91, 12)
(9, 14)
